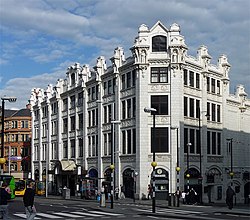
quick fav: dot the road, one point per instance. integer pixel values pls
(71, 209)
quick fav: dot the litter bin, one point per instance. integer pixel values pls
(66, 193)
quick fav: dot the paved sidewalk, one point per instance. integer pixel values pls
(239, 209)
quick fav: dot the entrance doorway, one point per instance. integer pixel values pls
(128, 183)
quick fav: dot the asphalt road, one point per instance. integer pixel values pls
(71, 209)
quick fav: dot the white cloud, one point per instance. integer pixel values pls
(59, 30)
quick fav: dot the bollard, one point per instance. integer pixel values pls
(102, 200)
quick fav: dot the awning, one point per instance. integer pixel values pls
(68, 165)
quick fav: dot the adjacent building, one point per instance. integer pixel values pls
(95, 117)
(17, 142)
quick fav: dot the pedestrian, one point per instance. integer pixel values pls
(122, 196)
(183, 196)
(117, 193)
(28, 200)
(4, 197)
(149, 191)
(229, 197)
(192, 196)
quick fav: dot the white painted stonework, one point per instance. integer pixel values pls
(231, 118)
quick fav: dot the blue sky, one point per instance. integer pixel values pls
(39, 39)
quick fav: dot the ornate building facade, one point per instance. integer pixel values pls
(95, 117)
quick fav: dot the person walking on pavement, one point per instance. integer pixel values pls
(28, 200)
(229, 197)
(4, 197)
(183, 196)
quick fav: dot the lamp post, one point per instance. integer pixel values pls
(177, 165)
(153, 164)
(188, 174)
(112, 166)
(10, 99)
(135, 174)
(231, 152)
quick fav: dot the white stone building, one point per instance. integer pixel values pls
(194, 111)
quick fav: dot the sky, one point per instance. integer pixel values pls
(39, 39)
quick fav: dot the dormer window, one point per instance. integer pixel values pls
(73, 80)
(159, 44)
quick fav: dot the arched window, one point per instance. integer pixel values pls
(159, 43)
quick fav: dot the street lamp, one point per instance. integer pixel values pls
(153, 164)
(231, 151)
(135, 174)
(177, 165)
(112, 166)
(188, 174)
(10, 99)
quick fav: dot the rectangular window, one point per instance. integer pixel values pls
(25, 124)
(123, 142)
(129, 151)
(80, 142)
(191, 107)
(185, 140)
(134, 108)
(213, 143)
(213, 85)
(80, 121)
(133, 77)
(219, 143)
(208, 111)
(109, 113)
(197, 109)
(208, 143)
(185, 106)
(72, 123)
(65, 125)
(105, 114)
(160, 145)
(93, 146)
(123, 82)
(109, 143)
(65, 104)
(129, 108)
(128, 79)
(134, 141)
(185, 77)
(123, 110)
(72, 101)
(97, 92)
(213, 112)
(218, 87)
(105, 88)
(159, 75)
(192, 140)
(218, 113)
(208, 84)
(105, 145)
(80, 98)
(191, 78)
(65, 149)
(109, 87)
(93, 117)
(73, 148)
(160, 103)
(198, 149)
(197, 80)
(93, 94)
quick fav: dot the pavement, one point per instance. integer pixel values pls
(238, 209)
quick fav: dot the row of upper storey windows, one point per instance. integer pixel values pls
(192, 79)
(16, 124)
